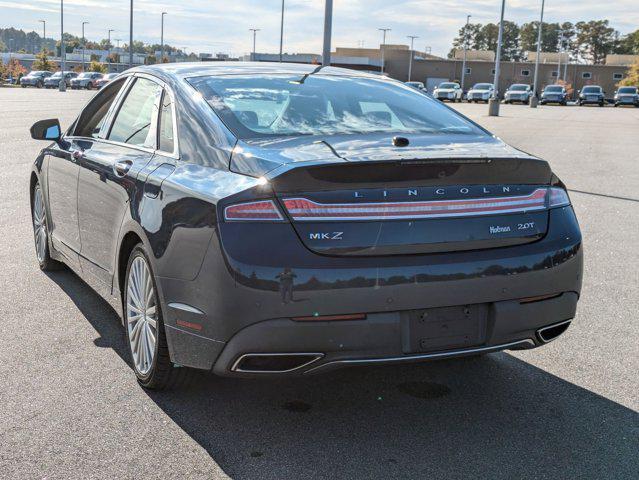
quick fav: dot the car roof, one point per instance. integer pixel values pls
(198, 69)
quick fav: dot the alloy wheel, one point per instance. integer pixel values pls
(141, 315)
(39, 225)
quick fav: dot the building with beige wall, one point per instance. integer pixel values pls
(432, 72)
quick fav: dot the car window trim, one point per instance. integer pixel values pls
(154, 118)
(175, 152)
(115, 107)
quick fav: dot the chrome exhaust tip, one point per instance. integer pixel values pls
(274, 362)
(549, 333)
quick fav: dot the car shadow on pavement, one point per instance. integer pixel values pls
(483, 417)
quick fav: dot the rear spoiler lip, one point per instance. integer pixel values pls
(450, 160)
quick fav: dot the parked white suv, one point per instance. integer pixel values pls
(448, 91)
(481, 92)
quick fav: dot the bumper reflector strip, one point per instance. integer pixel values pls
(303, 209)
(330, 318)
(191, 325)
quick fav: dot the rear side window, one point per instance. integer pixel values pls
(165, 127)
(92, 118)
(133, 122)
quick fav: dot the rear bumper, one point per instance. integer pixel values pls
(239, 304)
(384, 338)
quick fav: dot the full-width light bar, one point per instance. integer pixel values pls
(302, 209)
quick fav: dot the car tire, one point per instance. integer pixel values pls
(144, 326)
(601, 104)
(41, 232)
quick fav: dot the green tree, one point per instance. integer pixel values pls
(549, 37)
(42, 63)
(468, 35)
(487, 37)
(595, 39)
(629, 44)
(96, 66)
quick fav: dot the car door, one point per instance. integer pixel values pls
(109, 168)
(62, 188)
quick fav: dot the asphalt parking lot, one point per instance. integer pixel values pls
(70, 406)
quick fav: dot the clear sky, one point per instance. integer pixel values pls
(222, 25)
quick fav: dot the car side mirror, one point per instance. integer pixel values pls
(47, 130)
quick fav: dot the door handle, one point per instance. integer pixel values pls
(122, 167)
(77, 155)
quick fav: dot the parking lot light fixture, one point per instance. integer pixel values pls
(44, 34)
(465, 40)
(109, 48)
(493, 103)
(410, 62)
(383, 30)
(282, 33)
(534, 100)
(62, 86)
(84, 41)
(131, 36)
(328, 30)
(254, 30)
(162, 39)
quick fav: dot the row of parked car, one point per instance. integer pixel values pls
(84, 80)
(522, 93)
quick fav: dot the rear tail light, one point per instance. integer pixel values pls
(260, 211)
(303, 209)
(557, 197)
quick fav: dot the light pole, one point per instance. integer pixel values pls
(561, 37)
(131, 36)
(44, 34)
(465, 48)
(84, 41)
(410, 62)
(535, 98)
(254, 30)
(493, 104)
(109, 48)
(328, 30)
(62, 86)
(282, 32)
(384, 30)
(162, 39)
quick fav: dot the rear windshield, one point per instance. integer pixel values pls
(628, 90)
(554, 88)
(85, 75)
(592, 89)
(519, 88)
(482, 86)
(283, 105)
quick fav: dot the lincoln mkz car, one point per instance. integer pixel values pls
(274, 219)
